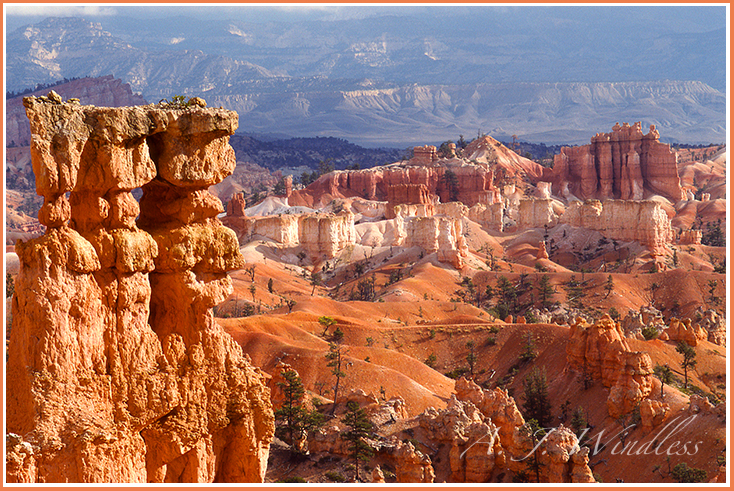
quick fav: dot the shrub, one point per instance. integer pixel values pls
(494, 329)
(683, 473)
(457, 372)
(649, 332)
(292, 480)
(431, 360)
(335, 476)
(491, 341)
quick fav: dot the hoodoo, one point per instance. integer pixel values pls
(117, 371)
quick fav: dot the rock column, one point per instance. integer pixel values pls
(117, 371)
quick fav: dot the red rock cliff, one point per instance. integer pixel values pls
(624, 164)
(117, 371)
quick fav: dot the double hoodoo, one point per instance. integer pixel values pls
(117, 370)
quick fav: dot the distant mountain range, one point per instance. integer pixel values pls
(394, 81)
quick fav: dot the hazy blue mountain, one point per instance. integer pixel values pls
(406, 75)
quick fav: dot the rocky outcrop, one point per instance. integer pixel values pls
(411, 465)
(406, 194)
(715, 324)
(236, 206)
(425, 155)
(635, 321)
(450, 180)
(487, 434)
(475, 447)
(600, 351)
(117, 371)
(490, 216)
(624, 164)
(652, 414)
(439, 234)
(686, 331)
(534, 213)
(321, 235)
(566, 462)
(643, 221)
(690, 237)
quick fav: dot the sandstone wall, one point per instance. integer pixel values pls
(117, 371)
(624, 164)
(440, 234)
(534, 213)
(643, 221)
(320, 234)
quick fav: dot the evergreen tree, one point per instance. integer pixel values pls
(536, 433)
(335, 359)
(471, 358)
(545, 291)
(574, 292)
(292, 419)
(507, 294)
(536, 403)
(689, 358)
(682, 473)
(327, 322)
(360, 429)
(528, 352)
(270, 285)
(609, 286)
(315, 281)
(452, 185)
(578, 422)
(665, 375)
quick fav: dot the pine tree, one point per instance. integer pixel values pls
(315, 281)
(292, 420)
(471, 358)
(609, 286)
(665, 375)
(537, 405)
(689, 361)
(536, 433)
(334, 356)
(507, 294)
(545, 291)
(360, 428)
(327, 322)
(270, 285)
(578, 421)
(528, 352)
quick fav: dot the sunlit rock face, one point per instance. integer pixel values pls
(117, 371)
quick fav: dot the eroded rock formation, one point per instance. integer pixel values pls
(440, 234)
(117, 371)
(487, 434)
(643, 221)
(320, 234)
(469, 181)
(600, 351)
(624, 164)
